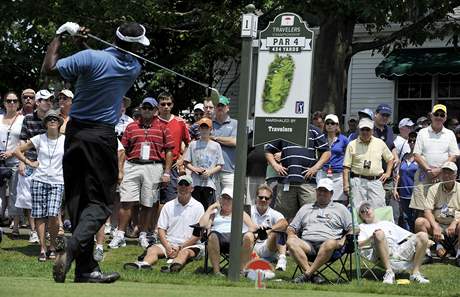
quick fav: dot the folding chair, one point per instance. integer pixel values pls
(203, 233)
(382, 214)
(341, 256)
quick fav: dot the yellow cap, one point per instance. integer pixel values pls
(439, 107)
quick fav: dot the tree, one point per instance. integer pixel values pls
(419, 21)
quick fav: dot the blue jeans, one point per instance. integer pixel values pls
(407, 217)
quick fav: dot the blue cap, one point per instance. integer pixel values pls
(151, 101)
(384, 109)
(367, 113)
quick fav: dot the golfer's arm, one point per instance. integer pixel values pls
(51, 57)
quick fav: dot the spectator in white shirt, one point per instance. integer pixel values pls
(177, 241)
(402, 146)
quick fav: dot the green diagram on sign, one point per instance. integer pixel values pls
(278, 83)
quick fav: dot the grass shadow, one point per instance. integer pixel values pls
(28, 250)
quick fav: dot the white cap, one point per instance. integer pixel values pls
(405, 122)
(366, 123)
(43, 94)
(325, 183)
(449, 165)
(227, 191)
(136, 39)
(67, 93)
(199, 106)
(332, 117)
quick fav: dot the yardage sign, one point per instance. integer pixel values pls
(283, 81)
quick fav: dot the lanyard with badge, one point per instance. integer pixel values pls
(145, 145)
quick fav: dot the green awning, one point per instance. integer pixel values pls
(426, 61)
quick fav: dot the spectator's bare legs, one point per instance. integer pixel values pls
(125, 215)
(281, 249)
(214, 252)
(156, 214)
(420, 250)
(145, 218)
(381, 246)
(324, 254)
(100, 236)
(299, 250)
(41, 229)
(248, 245)
(184, 255)
(153, 254)
(53, 229)
(28, 213)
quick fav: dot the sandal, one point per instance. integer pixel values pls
(42, 257)
(51, 255)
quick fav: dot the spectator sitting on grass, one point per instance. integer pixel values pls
(177, 241)
(391, 244)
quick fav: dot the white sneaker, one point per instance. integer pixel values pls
(389, 277)
(33, 238)
(107, 229)
(143, 242)
(282, 263)
(419, 278)
(117, 241)
(98, 254)
(114, 232)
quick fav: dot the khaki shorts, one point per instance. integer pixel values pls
(290, 201)
(141, 183)
(198, 248)
(422, 183)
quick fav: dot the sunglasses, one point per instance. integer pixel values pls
(183, 183)
(11, 101)
(146, 107)
(166, 104)
(266, 198)
(44, 100)
(439, 114)
(365, 129)
(28, 97)
(330, 123)
(53, 120)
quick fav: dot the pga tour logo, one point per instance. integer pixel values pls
(299, 107)
(287, 20)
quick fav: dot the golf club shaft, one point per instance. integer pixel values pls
(149, 61)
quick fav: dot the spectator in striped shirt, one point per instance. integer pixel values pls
(146, 141)
(297, 170)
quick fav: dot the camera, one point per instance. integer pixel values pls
(367, 164)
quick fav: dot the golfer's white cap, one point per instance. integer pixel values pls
(43, 94)
(139, 39)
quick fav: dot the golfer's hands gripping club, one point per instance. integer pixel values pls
(68, 27)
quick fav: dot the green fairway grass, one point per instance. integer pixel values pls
(22, 275)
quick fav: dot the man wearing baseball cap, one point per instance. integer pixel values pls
(402, 146)
(145, 141)
(441, 217)
(102, 78)
(28, 101)
(198, 113)
(65, 98)
(434, 146)
(327, 221)
(224, 133)
(124, 120)
(363, 173)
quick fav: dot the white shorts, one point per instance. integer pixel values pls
(262, 250)
(200, 247)
(141, 183)
(23, 192)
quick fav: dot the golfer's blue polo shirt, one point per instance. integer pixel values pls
(102, 79)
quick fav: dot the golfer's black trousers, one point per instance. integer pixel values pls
(90, 176)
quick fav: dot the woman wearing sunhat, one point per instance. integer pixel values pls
(47, 180)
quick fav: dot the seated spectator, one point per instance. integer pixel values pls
(269, 221)
(391, 244)
(218, 219)
(204, 158)
(322, 227)
(177, 241)
(442, 210)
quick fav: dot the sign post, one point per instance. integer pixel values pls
(248, 33)
(283, 81)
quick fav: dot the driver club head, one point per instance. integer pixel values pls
(214, 95)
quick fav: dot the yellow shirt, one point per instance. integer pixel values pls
(445, 205)
(357, 152)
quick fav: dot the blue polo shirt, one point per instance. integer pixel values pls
(296, 158)
(406, 178)
(227, 129)
(337, 154)
(102, 79)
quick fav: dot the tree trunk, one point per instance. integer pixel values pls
(330, 66)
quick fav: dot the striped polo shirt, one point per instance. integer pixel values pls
(157, 135)
(179, 131)
(32, 125)
(296, 158)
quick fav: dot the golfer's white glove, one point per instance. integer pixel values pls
(69, 27)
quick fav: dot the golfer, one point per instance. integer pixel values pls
(101, 79)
